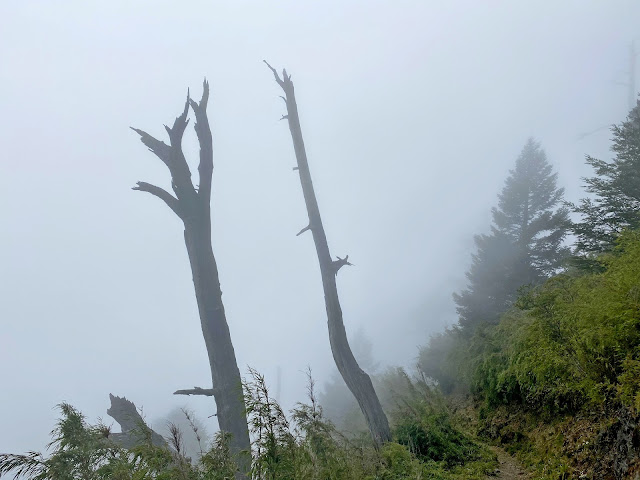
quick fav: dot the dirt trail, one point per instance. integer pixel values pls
(509, 468)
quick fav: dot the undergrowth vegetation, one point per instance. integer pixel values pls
(300, 445)
(559, 369)
(573, 344)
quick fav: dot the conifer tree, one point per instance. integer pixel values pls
(525, 243)
(616, 189)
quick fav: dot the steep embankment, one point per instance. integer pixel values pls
(557, 381)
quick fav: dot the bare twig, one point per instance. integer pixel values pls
(308, 227)
(278, 79)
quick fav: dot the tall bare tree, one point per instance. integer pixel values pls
(356, 379)
(193, 207)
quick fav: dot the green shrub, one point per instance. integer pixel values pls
(399, 463)
(569, 344)
(85, 452)
(423, 423)
(302, 446)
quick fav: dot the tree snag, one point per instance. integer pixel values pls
(193, 207)
(356, 379)
(135, 431)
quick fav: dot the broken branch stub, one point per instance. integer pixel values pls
(134, 430)
(195, 391)
(341, 262)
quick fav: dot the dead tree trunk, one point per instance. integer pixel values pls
(356, 379)
(134, 429)
(192, 205)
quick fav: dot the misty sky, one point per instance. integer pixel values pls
(412, 112)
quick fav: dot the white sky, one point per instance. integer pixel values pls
(413, 112)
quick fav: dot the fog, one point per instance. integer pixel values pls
(413, 113)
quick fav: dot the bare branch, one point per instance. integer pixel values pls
(172, 154)
(203, 130)
(180, 172)
(195, 391)
(179, 125)
(275, 74)
(170, 200)
(158, 147)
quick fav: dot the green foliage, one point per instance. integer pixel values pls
(423, 423)
(273, 444)
(525, 244)
(574, 342)
(302, 445)
(616, 190)
(559, 370)
(399, 463)
(84, 452)
(217, 463)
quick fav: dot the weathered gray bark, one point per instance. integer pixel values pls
(192, 205)
(134, 429)
(356, 379)
(207, 392)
